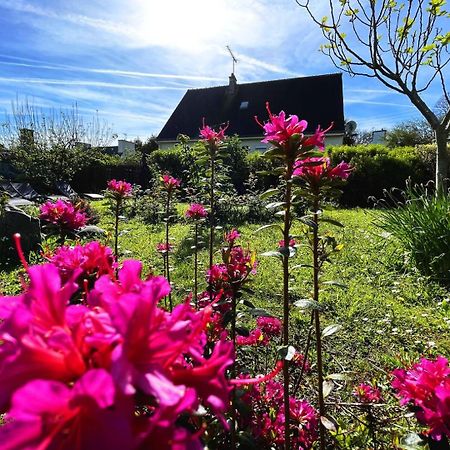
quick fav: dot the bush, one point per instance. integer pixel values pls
(421, 223)
(377, 168)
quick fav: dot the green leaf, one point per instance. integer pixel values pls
(269, 193)
(328, 424)
(327, 387)
(286, 352)
(274, 205)
(337, 377)
(260, 312)
(332, 221)
(272, 253)
(334, 283)
(330, 330)
(305, 303)
(264, 227)
(412, 441)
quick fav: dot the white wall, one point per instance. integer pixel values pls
(255, 144)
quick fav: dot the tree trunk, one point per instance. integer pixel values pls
(442, 159)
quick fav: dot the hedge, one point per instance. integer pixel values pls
(377, 167)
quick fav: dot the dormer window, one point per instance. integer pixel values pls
(244, 105)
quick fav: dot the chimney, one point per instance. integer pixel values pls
(232, 85)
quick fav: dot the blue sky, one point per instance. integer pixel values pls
(133, 60)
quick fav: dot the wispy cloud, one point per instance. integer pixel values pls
(101, 84)
(116, 72)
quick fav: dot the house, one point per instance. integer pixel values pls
(123, 148)
(317, 99)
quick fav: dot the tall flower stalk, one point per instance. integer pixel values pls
(118, 191)
(196, 213)
(285, 134)
(315, 175)
(212, 141)
(170, 184)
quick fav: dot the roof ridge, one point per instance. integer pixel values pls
(267, 81)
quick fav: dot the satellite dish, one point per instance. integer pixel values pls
(350, 126)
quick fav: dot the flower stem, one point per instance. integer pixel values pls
(167, 249)
(211, 214)
(316, 271)
(116, 230)
(233, 371)
(286, 235)
(196, 265)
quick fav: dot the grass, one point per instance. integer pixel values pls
(388, 315)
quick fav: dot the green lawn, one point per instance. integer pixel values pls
(388, 315)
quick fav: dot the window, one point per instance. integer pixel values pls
(244, 105)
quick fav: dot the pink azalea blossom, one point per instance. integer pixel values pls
(426, 385)
(196, 211)
(318, 138)
(91, 258)
(69, 373)
(212, 137)
(256, 337)
(367, 393)
(292, 243)
(170, 183)
(279, 130)
(315, 169)
(63, 214)
(48, 414)
(232, 236)
(162, 247)
(119, 189)
(270, 326)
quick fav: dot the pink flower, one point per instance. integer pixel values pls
(62, 214)
(211, 137)
(279, 130)
(162, 247)
(304, 424)
(292, 243)
(232, 236)
(426, 385)
(68, 373)
(318, 138)
(170, 183)
(315, 169)
(196, 211)
(367, 393)
(48, 414)
(91, 258)
(299, 361)
(270, 326)
(256, 337)
(119, 189)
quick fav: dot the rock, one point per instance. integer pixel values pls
(16, 221)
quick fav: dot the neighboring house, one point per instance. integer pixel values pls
(122, 148)
(317, 99)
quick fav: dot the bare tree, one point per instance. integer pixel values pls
(64, 128)
(51, 145)
(403, 44)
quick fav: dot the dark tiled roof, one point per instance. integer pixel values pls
(317, 99)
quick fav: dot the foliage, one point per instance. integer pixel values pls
(404, 45)
(377, 168)
(421, 223)
(410, 133)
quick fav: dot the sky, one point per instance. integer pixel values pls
(132, 60)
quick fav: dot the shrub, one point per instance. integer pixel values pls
(421, 223)
(377, 168)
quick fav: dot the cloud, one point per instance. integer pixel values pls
(115, 72)
(100, 84)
